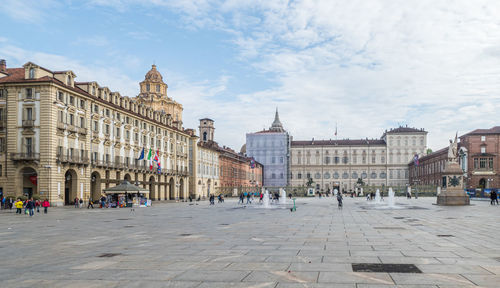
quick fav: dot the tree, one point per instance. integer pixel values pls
(428, 151)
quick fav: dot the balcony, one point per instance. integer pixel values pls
(72, 128)
(61, 125)
(28, 123)
(82, 131)
(25, 156)
(76, 158)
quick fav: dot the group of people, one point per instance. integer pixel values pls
(220, 199)
(30, 205)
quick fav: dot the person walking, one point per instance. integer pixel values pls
(19, 206)
(76, 202)
(45, 205)
(248, 199)
(493, 197)
(91, 203)
(339, 200)
(37, 205)
(241, 199)
(81, 203)
(212, 199)
(30, 205)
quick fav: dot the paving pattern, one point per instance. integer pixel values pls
(229, 245)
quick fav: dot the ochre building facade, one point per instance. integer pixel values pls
(61, 139)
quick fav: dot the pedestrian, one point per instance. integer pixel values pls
(11, 203)
(81, 203)
(91, 203)
(76, 202)
(339, 200)
(261, 197)
(212, 199)
(45, 205)
(241, 199)
(248, 198)
(37, 205)
(103, 201)
(493, 197)
(30, 205)
(19, 206)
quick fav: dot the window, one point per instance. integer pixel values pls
(96, 109)
(317, 175)
(32, 73)
(308, 175)
(354, 175)
(71, 119)
(336, 160)
(273, 160)
(2, 114)
(3, 93)
(127, 135)
(29, 113)
(345, 160)
(106, 129)
(96, 126)
(60, 96)
(373, 175)
(117, 132)
(2, 144)
(483, 138)
(364, 175)
(68, 80)
(482, 163)
(281, 175)
(107, 112)
(383, 175)
(483, 149)
(71, 100)
(157, 87)
(82, 122)
(93, 90)
(326, 176)
(29, 93)
(28, 148)
(373, 159)
(299, 175)
(83, 104)
(382, 159)
(281, 159)
(345, 175)
(147, 87)
(273, 176)
(336, 175)
(327, 160)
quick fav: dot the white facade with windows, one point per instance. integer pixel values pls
(331, 164)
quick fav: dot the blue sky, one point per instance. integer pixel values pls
(365, 65)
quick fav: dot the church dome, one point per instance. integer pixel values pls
(243, 149)
(153, 75)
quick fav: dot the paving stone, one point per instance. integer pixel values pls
(354, 277)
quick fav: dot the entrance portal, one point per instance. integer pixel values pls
(29, 181)
(70, 187)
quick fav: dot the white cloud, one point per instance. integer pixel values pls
(28, 11)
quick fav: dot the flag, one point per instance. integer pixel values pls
(159, 168)
(156, 156)
(142, 155)
(149, 154)
(415, 160)
(252, 163)
(150, 165)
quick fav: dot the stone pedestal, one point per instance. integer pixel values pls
(453, 194)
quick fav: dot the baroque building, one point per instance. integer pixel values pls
(338, 164)
(61, 139)
(271, 148)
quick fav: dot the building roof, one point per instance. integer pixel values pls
(16, 75)
(343, 142)
(493, 130)
(153, 75)
(405, 129)
(206, 119)
(277, 126)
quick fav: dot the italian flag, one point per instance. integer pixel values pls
(150, 160)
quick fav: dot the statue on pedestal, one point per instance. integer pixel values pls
(453, 193)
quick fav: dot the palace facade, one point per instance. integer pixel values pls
(61, 139)
(339, 164)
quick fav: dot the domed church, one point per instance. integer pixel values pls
(154, 94)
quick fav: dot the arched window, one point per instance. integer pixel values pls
(373, 175)
(326, 176)
(147, 87)
(354, 175)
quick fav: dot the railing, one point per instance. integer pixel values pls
(76, 158)
(28, 123)
(72, 128)
(25, 156)
(61, 125)
(81, 130)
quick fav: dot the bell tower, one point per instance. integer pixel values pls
(206, 129)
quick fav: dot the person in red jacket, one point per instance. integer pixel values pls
(45, 205)
(37, 205)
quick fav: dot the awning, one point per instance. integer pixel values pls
(126, 187)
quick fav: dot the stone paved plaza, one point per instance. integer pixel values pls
(183, 245)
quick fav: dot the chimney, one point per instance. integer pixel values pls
(3, 65)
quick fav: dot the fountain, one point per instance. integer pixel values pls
(335, 192)
(390, 200)
(282, 196)
(265, 199)
(377, 197)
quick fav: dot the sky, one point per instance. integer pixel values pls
(360, 66)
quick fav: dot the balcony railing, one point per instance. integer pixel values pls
(25, 156)
(81, 130)
(28, 123)
(61, 125)
(75, 158)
